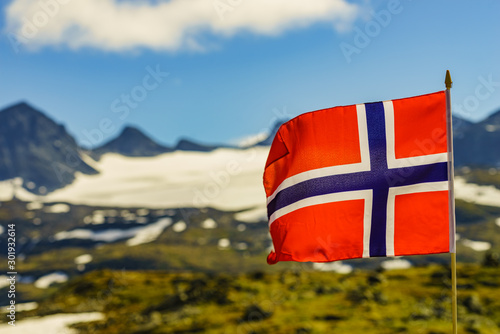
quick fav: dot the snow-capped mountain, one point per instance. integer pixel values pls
(478, 144)
(131, 142)
(40, 152)
(190, 145)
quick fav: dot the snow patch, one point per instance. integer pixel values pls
(179, 227)
(57, 208)
(83, 259)
(4, 281)
(105, 235)
(337, 267)
(150, 232)
(142, 212)
(207, 224)
(45, 281)
(89, 160)
(34, 205)
(140, 234)
(98, 218)
(484, 195)
(478, 246)
(497, 221)
(9, 188)
(224, 243)
(51, 324)
(22, 307)
(394, 264)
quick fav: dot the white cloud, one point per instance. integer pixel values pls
(163, 25)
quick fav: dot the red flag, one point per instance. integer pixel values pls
(360, 181)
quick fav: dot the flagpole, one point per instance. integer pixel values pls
(453, 251)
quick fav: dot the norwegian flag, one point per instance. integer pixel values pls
(365, 180)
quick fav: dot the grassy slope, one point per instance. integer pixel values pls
(196, 248)
(294, 301)
(482, 177)
(298, 301)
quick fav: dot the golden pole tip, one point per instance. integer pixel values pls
(448, 81)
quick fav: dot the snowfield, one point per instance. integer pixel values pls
(395, 264)
(45, 281)
(135, 235)
(51, 324)
(227, 179)
(9, 187)
(336, 266)
(485, 195)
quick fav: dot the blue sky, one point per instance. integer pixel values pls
(236, 66)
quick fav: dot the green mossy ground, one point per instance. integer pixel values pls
(297, 300)
(482, 177)
(184, 283)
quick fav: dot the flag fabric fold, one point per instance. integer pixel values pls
(359, 181)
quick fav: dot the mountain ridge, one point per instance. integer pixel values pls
(37, 149)
(131, 142)
(478, 144)
(40, 151)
